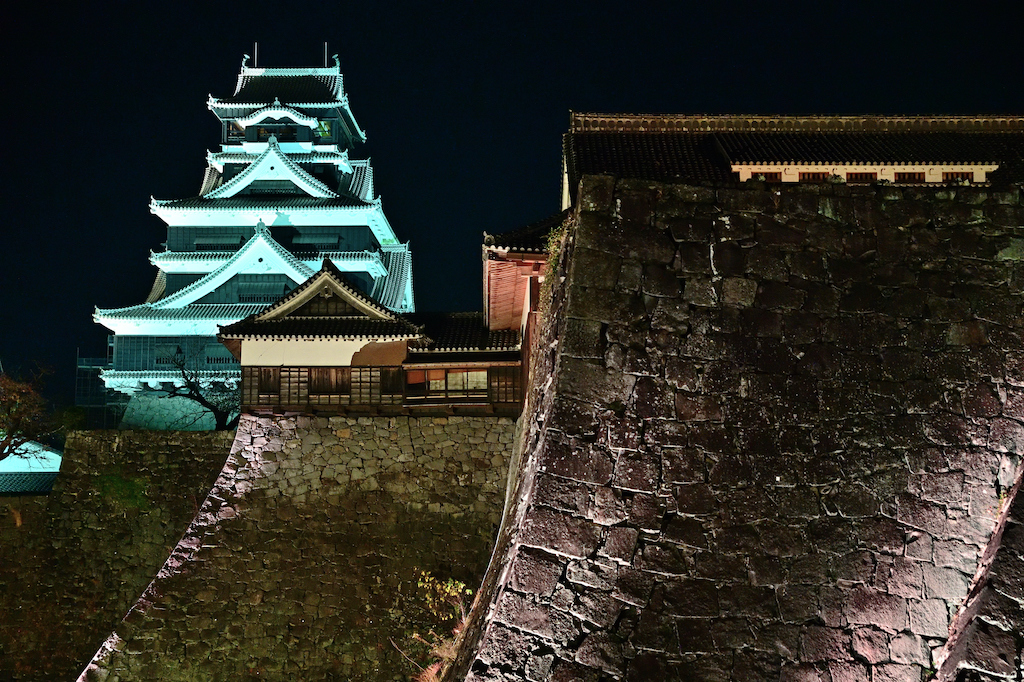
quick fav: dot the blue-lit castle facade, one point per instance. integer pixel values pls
(282, 194)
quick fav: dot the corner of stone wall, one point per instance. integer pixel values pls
(74, 561)
(774, 428)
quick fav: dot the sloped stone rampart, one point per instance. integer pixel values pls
(780, 428)
(303, 561)
(990, 628)
(73, 562)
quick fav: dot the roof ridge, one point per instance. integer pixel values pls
(652, 123)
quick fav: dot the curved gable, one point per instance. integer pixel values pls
(273, 164)
(277, 111)
(259, 255)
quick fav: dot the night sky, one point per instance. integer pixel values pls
(464, 107)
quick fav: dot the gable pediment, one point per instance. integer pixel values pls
(273, 169)
(261, 255)
(325, 294)
(277, 111)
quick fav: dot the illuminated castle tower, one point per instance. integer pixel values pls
(280, 196)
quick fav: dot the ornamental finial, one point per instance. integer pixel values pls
(245, 60)
(337, 62)
(261, 228)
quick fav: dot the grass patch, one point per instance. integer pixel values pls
(129, 493)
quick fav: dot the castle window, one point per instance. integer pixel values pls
(958, 175)
(325, 131)
(235, 132)
(861, 177)
(451, 383)
(813, 177)
(505, 384)
(282, 133)
(467, 383)
(910, 177)
(772, 177)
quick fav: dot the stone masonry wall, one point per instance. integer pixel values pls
(771, 434)
(307, 559)
(73, 562)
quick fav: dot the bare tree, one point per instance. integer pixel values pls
(24, 415)
(218, 398)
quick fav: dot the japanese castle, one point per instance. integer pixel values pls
(281, 196)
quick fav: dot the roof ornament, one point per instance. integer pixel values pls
(262, 229)
(245, 60)
(337, 62)
(277, 102)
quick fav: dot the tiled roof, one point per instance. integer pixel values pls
(857, 147)
(703, 148)
(22, 483)
(361, 184)
(121, 375)
(655, 156)
(261, 201)
(531, 238)
(457, 332)
(391, 291)
(672, 123)
(310, 157)
(354, 326)
(196, 311)
(288, 89)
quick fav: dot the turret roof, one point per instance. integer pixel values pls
(463, 332)
(531, 238)
(299, 88)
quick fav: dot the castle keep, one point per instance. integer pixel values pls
(284, 192)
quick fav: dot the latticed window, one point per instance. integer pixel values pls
(910, 177)
(363, 381)
(861, 177)
(505, 384)
(466, 382)
(958, 175)
(813, 177)
(447, 383)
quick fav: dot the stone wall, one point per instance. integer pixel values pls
(73, 562)
(771, 433)
(307, 559)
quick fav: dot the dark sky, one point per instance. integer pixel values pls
(464, 108)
